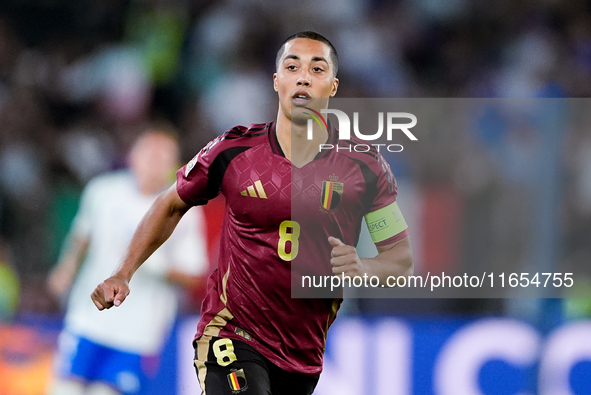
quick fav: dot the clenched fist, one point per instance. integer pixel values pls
(109, 293)
(344, 259)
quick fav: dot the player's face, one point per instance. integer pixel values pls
(305, 72)
(153, 160)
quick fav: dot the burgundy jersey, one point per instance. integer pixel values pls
(276, 215)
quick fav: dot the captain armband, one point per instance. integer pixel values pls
(385, 222)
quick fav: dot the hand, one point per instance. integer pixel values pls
(344, 259)
(109, 293)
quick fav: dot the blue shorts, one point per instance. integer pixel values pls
(83, 360)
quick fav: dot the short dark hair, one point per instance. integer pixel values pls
(312, 36)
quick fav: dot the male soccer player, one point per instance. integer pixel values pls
(253, 338)
(106, 354)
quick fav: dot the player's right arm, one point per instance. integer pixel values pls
(154, 229)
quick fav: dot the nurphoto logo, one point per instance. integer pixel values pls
(396, 122)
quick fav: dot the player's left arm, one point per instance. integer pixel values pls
(393, 259)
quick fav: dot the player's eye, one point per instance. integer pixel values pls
(291, 67)
(318, 69)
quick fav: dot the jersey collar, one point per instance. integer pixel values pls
(276, 147)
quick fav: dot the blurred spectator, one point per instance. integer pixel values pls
(112, 350)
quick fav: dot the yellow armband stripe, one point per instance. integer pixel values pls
(385, 222)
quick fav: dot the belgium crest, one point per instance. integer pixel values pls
(332, 193)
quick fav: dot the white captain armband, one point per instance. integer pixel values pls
(385, 222)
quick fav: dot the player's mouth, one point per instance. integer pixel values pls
(301, 98)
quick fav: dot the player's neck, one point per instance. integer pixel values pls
(293, 139)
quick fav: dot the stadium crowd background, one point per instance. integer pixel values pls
(79, 79)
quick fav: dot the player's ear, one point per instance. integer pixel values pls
(335, 87)
(275, 81)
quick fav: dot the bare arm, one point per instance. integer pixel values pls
(392, 260)
(154, 229)
(62, 276)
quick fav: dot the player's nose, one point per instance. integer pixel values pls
(304, 79)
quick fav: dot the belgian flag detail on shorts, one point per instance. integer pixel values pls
(237, 381)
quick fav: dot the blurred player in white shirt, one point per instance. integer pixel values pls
(102, 353)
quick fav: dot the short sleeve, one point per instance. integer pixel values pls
(198, 181)
(385, 190)
(82, 223)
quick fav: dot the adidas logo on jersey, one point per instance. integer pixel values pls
(252, 190)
